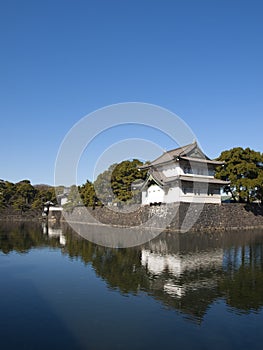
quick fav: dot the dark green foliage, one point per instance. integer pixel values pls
(244, 168)
(74, 198)
(123, 176)
(21, 237)
(23, 196)
(19, 196)
(44, 194)
(102, 185)
(25, 191)
(88, 195)
(7, 192)
(115, 184)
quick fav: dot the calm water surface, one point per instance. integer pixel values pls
(188, 291)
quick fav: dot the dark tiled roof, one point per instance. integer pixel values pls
(179, 152)
(186, 153)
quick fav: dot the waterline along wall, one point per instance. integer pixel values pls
(227, 216)
(207, 217)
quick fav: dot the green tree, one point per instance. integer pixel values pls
(26, 191)
(244, 169)
(74, 198)
(8, 191)
(44, 193)
(123, 176)
(2, 198)
(115, 184)
(23, 196)
(102, 185)
(88, 195)
(20, 204)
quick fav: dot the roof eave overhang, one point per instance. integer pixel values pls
(177, 159)
(152, 178)
(201, 160)
(204, 180)
(172, 160)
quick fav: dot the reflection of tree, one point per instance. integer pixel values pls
(190, 290)
(244, 290)
(242, 284)
(23, 237)
(120, 268)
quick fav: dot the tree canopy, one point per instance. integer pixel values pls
(24, 196)
(121, 183)
(115, 184)
(88, 194)
(244, 169)
(123, 176)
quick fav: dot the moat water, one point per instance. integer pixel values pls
(179, 291)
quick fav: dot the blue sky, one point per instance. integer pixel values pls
(62, 59)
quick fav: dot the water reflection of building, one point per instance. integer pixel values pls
(54, 232)
(185, 272)
(171, 268)
(177, 264)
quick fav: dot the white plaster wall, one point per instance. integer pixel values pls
(172, 170)
(155, 194)
(198, 171)
(51, 208)
(144, 198)
(200, 198)
(64, 200)
(173, 195)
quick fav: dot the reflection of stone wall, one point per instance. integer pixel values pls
(212, 216)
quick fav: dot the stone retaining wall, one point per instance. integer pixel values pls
(10, 214)
(209, 217)
(197, 217)
(227, 216)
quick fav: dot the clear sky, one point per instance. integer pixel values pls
(62, 59)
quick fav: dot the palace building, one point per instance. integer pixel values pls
(184, 174)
